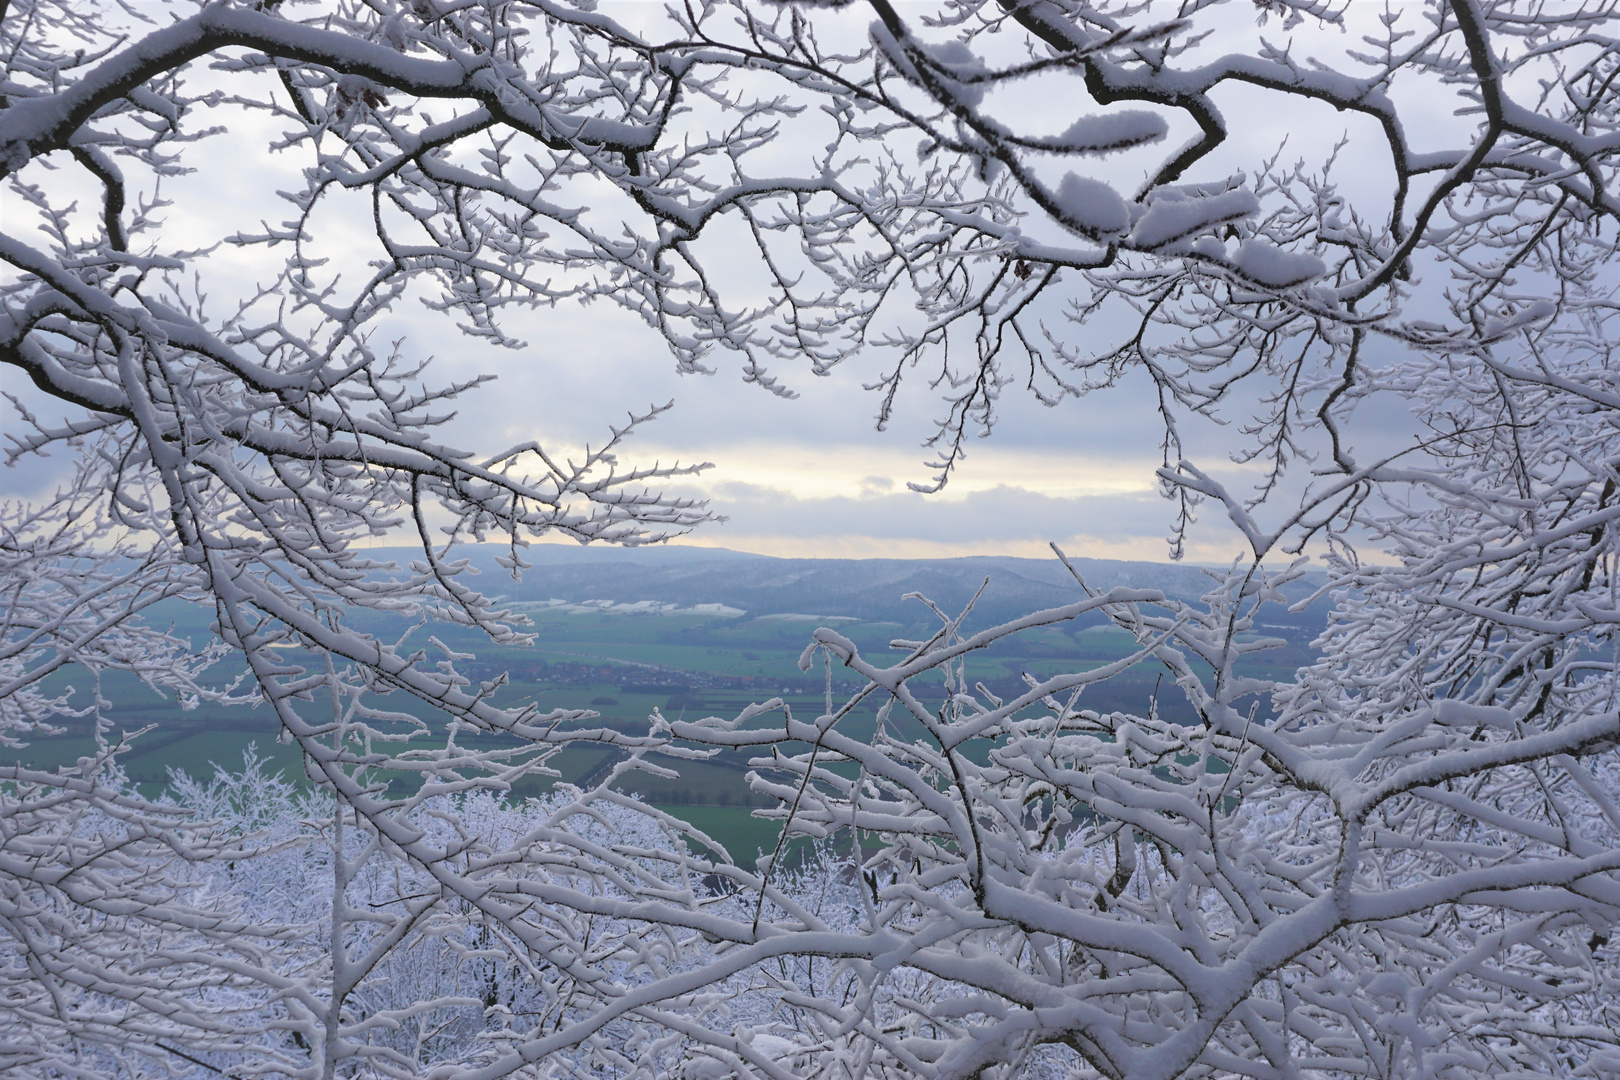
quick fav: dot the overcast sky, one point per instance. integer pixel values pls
(804, 477)
(812, 476)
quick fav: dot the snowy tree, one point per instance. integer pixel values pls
(115, 959)
(1399, 862)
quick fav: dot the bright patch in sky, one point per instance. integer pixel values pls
(868, 471)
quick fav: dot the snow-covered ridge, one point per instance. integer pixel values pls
(637, 607)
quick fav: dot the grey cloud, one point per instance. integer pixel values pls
(584, 367)
(876, 485)
(1002, 513)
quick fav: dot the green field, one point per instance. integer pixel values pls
(745, 837)
(612, 664)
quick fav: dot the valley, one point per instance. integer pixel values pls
(625, 634)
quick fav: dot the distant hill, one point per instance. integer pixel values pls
(869, 590)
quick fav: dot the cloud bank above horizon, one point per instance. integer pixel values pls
(800, 477)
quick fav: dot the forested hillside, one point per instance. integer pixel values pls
(869, 590)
